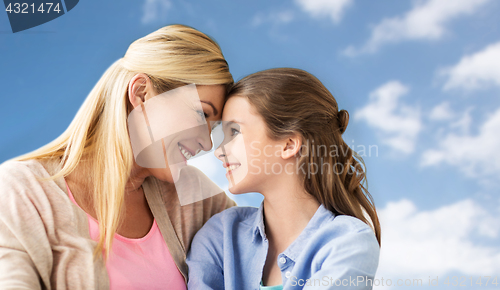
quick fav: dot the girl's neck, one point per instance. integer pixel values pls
(287, 211)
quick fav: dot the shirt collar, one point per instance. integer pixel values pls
(321, 216)
(258, 225)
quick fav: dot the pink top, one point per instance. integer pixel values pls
(143, 263)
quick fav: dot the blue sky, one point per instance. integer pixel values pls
(420, 79)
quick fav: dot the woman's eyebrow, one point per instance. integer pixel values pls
(213, 107)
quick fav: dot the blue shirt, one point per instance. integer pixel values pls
(230, 251)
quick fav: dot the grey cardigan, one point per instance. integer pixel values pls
(44, 237)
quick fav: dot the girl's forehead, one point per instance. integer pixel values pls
(238, 106)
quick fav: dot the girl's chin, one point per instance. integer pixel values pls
(235, 192)
(238, 189)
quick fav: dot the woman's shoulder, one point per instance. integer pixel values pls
(14, 172)
(29, 168)
(26, 181)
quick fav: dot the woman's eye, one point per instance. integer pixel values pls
(215, 124)
(202, 114)
(234, 131)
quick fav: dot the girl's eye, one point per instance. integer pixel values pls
(234, 131)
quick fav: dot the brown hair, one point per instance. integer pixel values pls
(292, 101)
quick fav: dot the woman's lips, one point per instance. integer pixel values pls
(185, 152)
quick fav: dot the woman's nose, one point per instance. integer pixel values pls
(205, 143)
(204, 139)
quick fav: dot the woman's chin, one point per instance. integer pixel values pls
(164, 174)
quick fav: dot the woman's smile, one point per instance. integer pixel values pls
(185, 152)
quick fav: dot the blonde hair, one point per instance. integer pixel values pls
(171, 56)
(292, 101)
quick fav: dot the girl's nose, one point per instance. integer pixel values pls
(220, 153)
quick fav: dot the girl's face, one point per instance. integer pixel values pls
(250, 155)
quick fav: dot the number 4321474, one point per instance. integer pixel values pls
(30, 8)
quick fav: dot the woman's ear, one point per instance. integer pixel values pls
(292, 147)
(138, 88)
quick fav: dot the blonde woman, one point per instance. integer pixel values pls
(317, 227)
(80, 213)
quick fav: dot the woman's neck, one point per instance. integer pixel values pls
(80, 178)
(137, 176)
(137, 216)
(82, 187)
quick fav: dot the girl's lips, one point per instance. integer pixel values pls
(231, 167)
(226, 165)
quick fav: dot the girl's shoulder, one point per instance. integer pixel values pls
(344, 227)
(346, 223)
(344, 234)
(234, 223)
(235, 215)
(327, 233)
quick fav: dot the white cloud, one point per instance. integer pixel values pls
(475, 154)
(325, 8)
(475, 71)
(441, 112)
(426, 21)
(418, 244)
(154, 10)
(276, 18)
(398, 124)
(464, 122)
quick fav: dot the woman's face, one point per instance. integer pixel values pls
(249, 155)
(189, 122)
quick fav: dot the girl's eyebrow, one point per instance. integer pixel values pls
(213, 107)
(233, 121)
(227, 124)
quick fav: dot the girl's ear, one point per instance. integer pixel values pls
(138, 87)
(292, 147)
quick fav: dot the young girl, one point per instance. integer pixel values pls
(317, 226)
